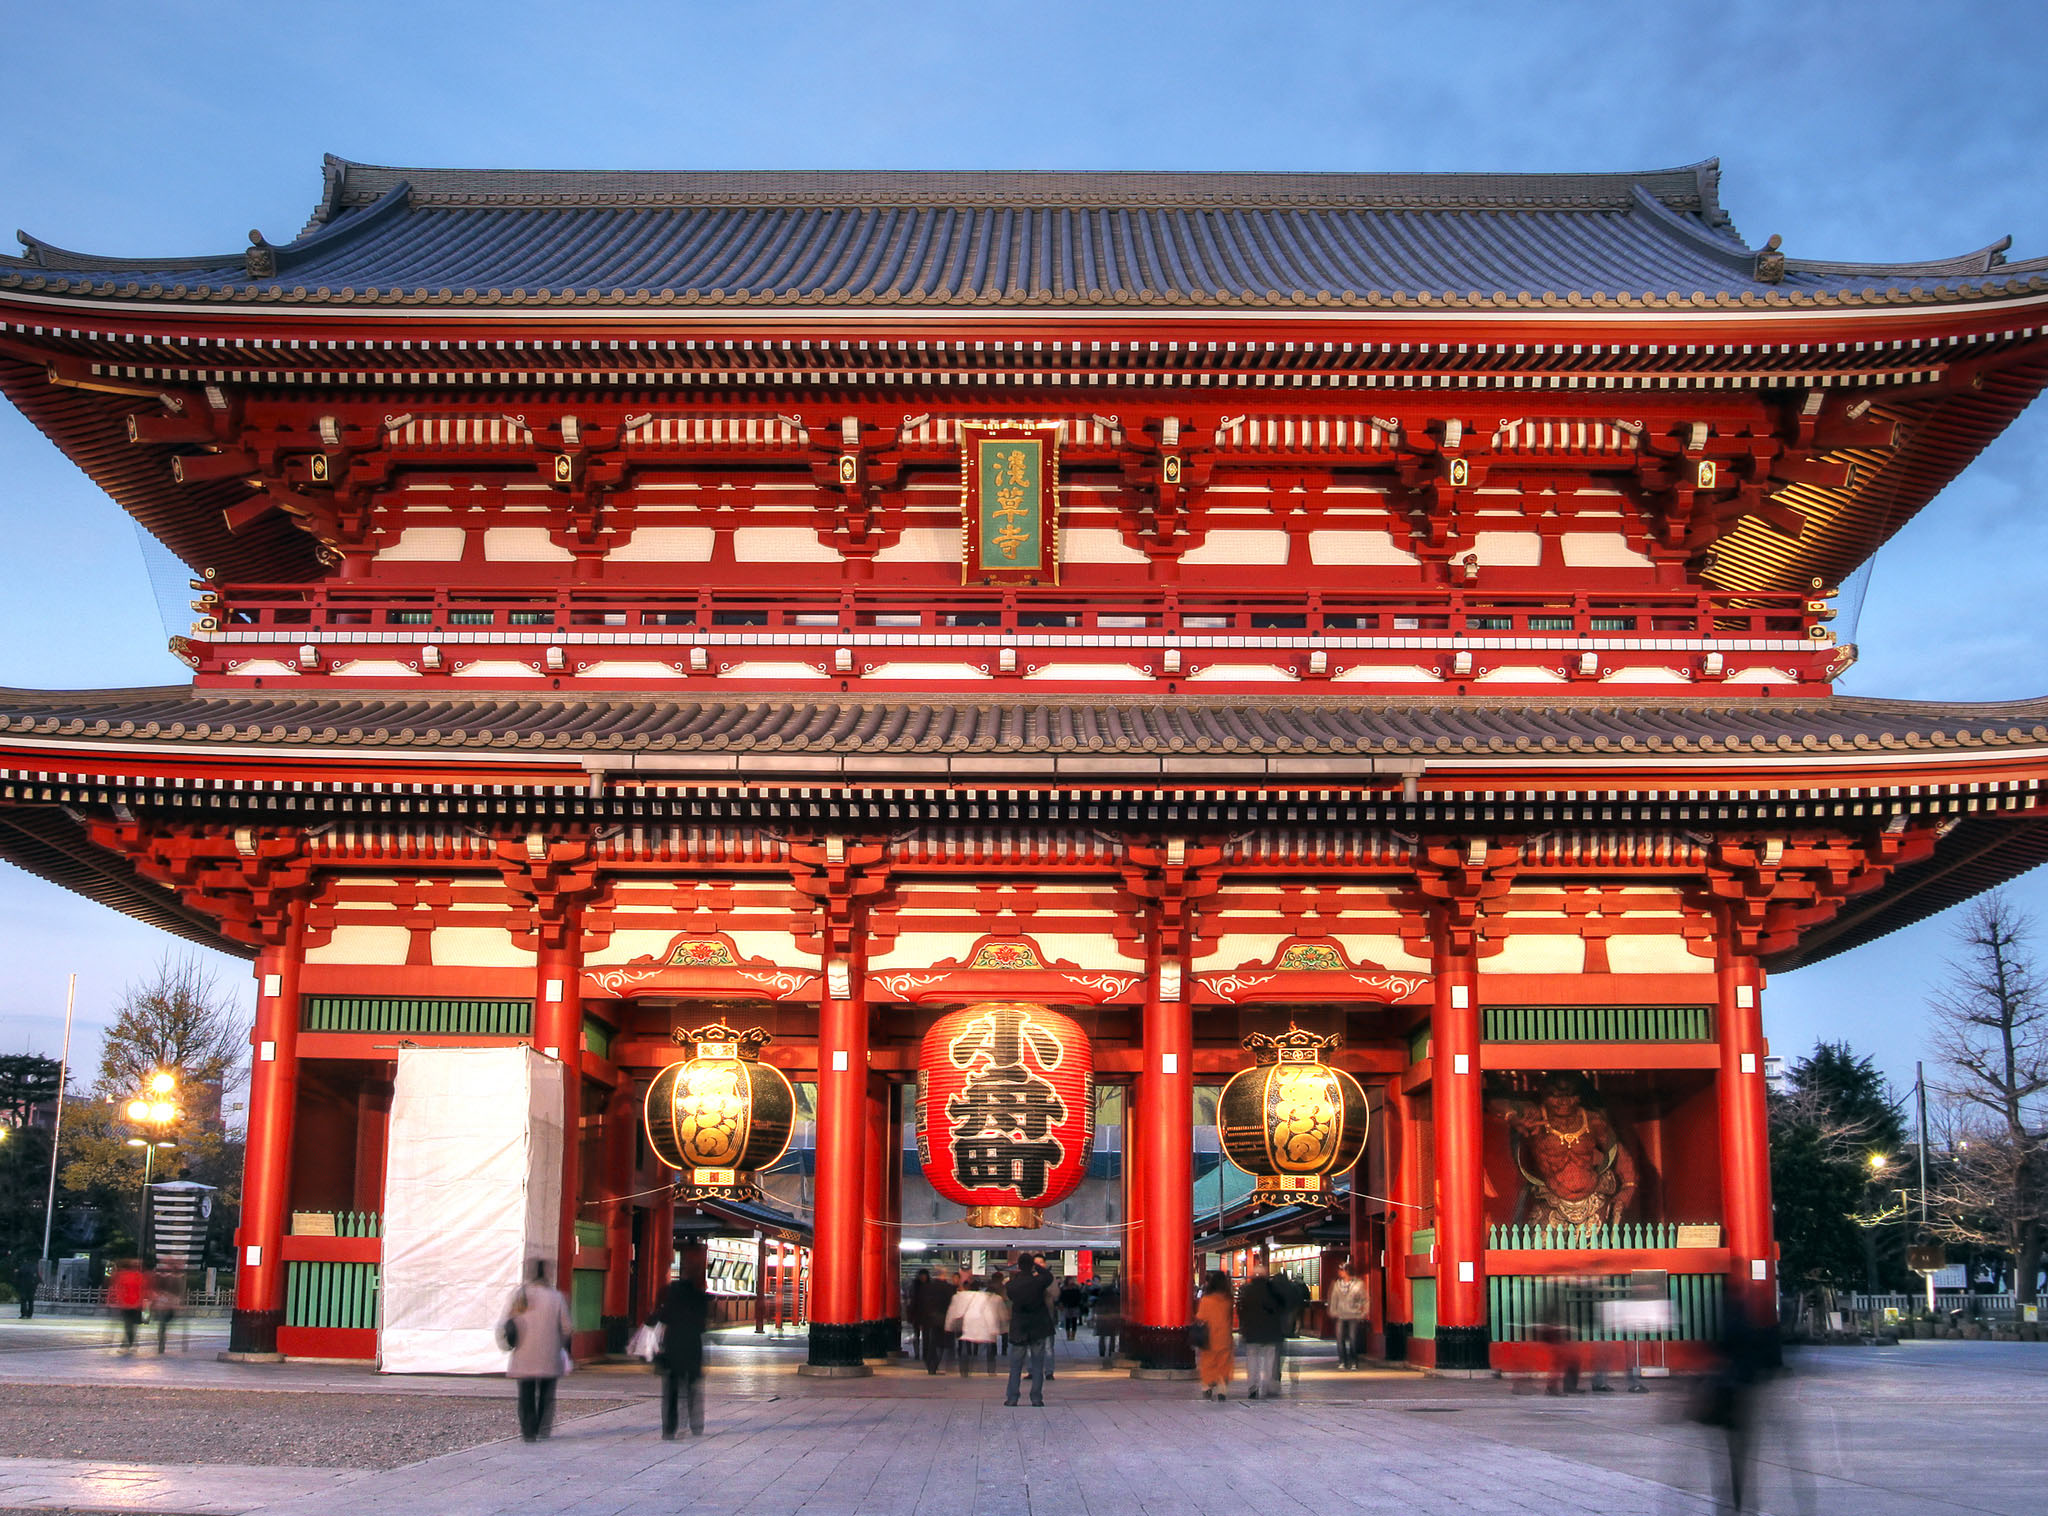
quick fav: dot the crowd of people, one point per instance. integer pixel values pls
(136, 1291)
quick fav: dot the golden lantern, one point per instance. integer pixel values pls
(1291, 1121)
(720, 1116)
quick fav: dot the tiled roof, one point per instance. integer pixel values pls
(386, 236)
(853, 734)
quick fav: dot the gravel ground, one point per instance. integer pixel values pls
(135, 1425)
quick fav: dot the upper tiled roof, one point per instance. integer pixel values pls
(387, 236)
(872, 736)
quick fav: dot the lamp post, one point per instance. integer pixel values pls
(153, 1108)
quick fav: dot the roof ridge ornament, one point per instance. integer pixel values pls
(1770, 262)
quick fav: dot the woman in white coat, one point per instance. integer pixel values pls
(975, 1314)
(537, 1327)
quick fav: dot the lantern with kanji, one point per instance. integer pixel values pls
(1005, 1110)
(1291, 1121)
(721, 1115)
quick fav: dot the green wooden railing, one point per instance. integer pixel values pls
(1597, 1023)
(405, 1013)
(330, 1294)
(1519, 1306)
(351, 1223)
(1622, 1234)
(1422, 1239)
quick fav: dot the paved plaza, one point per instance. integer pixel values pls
(1925, 1427)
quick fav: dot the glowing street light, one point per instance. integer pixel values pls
(159, 1113)
(1879, 1163)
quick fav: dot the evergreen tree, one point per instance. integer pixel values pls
(1833, 1226)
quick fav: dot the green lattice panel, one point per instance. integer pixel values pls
(405, 1013)
(330, 1294)
(1518, 1305)
(1597, 1023)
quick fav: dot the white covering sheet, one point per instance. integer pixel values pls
(472, 1186)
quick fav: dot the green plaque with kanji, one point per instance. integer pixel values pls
(1010, 506)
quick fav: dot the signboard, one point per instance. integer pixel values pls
(1928, 1258)
(312, 1223)
(1009, 502)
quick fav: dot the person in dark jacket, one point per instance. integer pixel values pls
(1262, 1310)
(27, 1280)
(1073, 1306)
(930, 1299)
(1029, 1292)
(1109, 1323)
(683, 1314)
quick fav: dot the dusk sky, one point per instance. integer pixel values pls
(1866, 131)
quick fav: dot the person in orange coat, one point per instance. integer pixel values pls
(126, 1296)
(1217, 1362)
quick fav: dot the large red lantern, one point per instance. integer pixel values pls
(1005, 1110)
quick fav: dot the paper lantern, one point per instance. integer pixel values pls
(721, 1115)
(1291, 1121)
(1005, 1110)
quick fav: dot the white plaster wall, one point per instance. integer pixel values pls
(1654, 955)
(1537, 955)
(364, 944)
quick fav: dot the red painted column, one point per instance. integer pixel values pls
(1745, 1141)
(619, 1117)
(1166, 1139)
(266, 1166)
(892, 1217)
(1458, 1108)
(1404, 1161)
(877, 1287)
(1129, 1286)
(558, 1033)
(835, 1289)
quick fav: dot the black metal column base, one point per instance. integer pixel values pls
(1154, 1348)
(1398, 1333)
(254, 1331)
(882, 1339)
(616, 1330)
(835, 1349)
(1463, 1349)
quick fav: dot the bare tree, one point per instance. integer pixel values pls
(181, 1020)
(1992, 1035)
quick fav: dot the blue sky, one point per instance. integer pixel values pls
(1857, 131)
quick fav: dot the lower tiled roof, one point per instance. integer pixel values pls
(1165, 727)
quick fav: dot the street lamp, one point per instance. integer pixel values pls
(159, 1113)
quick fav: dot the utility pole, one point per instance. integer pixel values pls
(57, 1130)
(1920, 1100)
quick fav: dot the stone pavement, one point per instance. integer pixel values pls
(1923, 1428)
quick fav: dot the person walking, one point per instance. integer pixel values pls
(1109, 1323)
(28, 1278)
(1215, 1362)
(1073, 1305)
(1262, 1323)
(1347, 1310)
(166, 1300)
(932, 1305)
(998, 1287)
(1030, 1329)
(126, 1296)
(536, 1330)
(683, 1315)
(973, 1316)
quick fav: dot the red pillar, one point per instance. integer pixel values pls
(1133, 1262)
(836, 1336)
(558, 1033)
(877, 1287)
(1745, 1143)
(892, 1217)
(1458, 1108)
(1166, 1139)
(619, 1117)
(266, 1169)
(1404, 1194)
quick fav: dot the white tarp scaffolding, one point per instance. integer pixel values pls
(472, 1187)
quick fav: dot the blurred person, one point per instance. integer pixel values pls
(1262, 1324)
(1109, 1322)
(930, 1299)
(1073, 1305)
(28, 1278)
(974, 1320)
(126, 1297)
(1029, 1297)
(1729, 1398)
(1347, 1310)
(1554, 1329)
(998, 1286)
(683, 1316)
(1215, 1360)
(536, 1330)
(914, 1308)
(166, 1287)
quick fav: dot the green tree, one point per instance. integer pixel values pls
(1835, 1114)
(180, 1020)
